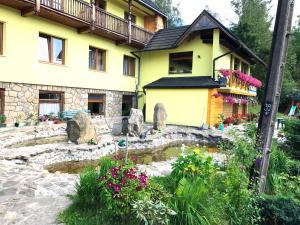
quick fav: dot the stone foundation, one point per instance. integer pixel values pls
(25, 98)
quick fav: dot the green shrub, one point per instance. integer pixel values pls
(279, 210)
(152, 213)
(292, 133)
(2, 118)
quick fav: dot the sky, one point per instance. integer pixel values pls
(190, 9)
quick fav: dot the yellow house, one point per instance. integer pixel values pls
(197, 72)
(108, 55)
(59, 55)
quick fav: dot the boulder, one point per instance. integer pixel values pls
(159, 117)
(80, 129)
(135, 122)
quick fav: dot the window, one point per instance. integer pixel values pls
(97, 59)
(96, 104)
(101, 4)
(181, 62)
(133, 17)
(50, 103)
(1, 38)
(129, 66)
(236, 65)
(245, 68)
(51, 49)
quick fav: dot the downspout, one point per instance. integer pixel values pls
(221, 56)
(139, 78)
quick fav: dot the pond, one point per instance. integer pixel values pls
(40, 141)
(76, 167)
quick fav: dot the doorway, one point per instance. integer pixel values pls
(127, 104)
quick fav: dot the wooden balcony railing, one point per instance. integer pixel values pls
(111, 22)
(86, 15)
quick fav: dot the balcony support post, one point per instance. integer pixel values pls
(93, 16)
(129, 21)
(37, 6)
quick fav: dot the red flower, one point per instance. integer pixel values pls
(110, 184)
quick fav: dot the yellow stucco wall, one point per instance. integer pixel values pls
(118, 8)
(20, 62)
(155, 65)
(183, 106)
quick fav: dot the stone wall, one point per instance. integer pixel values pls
(25, 98)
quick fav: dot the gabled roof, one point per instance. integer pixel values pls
(165, 38)
(171, 38)
(185, 82)
(150, 4)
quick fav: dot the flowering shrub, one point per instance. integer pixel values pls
(242, 76)
(216, 95)
(247, 79)
(121, 184)
(225, 72)
(229, 99)
(193, 165)
(228, 120)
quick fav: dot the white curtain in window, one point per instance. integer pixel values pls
(48, 108)
(126, 66)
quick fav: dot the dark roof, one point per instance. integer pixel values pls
(184, 82)
(173, 37)
(165, 38)
(150, 4)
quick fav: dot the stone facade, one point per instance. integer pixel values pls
(25, 98)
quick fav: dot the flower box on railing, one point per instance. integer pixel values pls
(242, 78)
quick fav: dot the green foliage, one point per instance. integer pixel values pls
(279, 210)
(194, 165)
(171, 11)
(292, 133)
(2, 118)
(152, 213)
(254, 28)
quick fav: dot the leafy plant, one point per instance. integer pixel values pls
(279, 210)
(152, 213)
(292, 133)
(2, 118)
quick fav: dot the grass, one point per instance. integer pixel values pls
(81, 215)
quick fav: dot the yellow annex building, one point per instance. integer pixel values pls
(107, 56)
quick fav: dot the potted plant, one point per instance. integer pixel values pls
(2, 120)
(20, 120)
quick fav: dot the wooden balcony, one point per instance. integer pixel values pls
(236, 86)
(85, 18)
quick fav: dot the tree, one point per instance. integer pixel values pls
(172, 12)
(254, 28)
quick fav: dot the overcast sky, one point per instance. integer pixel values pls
(190, 9)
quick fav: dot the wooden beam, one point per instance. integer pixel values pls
(29, 11)
(84, 30)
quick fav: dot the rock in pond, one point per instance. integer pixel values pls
(135, 122)
(81, 129)
(159, 117)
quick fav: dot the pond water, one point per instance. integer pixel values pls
(40, 141)
(76, 167)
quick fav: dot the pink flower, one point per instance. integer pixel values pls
(225, 72)
(117, 188)
(123, 181)
(110, 184)
(216, 95)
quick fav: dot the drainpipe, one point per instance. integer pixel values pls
(139, 77)
(221, 56)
